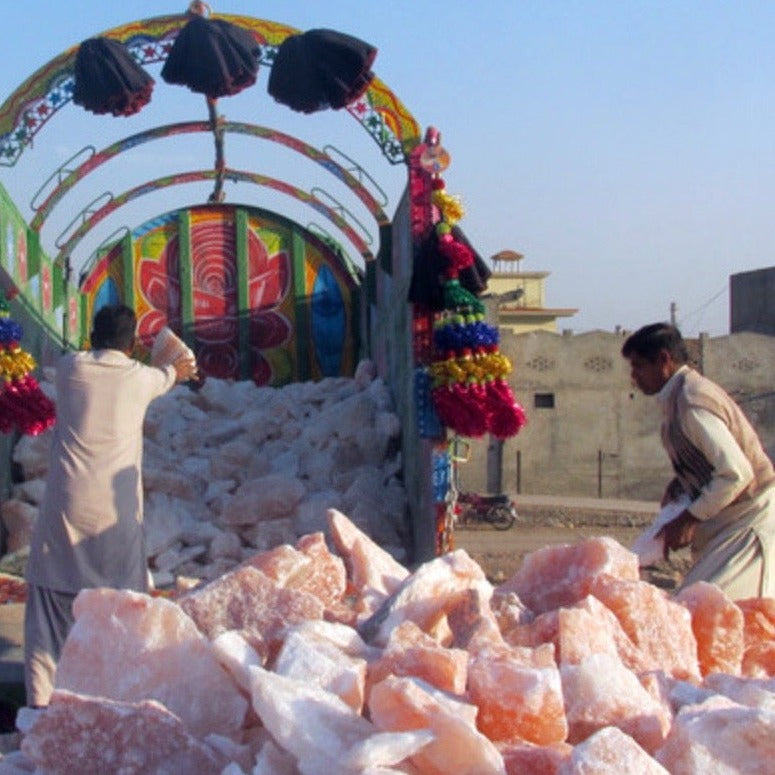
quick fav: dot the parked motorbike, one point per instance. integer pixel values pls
(496, 510)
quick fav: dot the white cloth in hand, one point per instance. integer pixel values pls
(647, 546)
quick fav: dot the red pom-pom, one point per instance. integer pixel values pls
(438, 184)
(505, 417)
(457, 254)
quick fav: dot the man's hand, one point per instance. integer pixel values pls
(678, 532)
(185, 369)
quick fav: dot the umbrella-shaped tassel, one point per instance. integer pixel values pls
(321, 69)
(109, 80)
(212, 56)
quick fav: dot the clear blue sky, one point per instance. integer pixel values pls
(625, 147)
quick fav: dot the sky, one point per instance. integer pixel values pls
(627, 148)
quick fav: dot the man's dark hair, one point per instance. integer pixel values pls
(649, 340)
(114, 328)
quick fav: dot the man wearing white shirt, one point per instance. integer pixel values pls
(719, 462)
(89, 532)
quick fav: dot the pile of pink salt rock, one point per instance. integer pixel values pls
(306, 660)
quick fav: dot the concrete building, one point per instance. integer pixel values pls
(752, 301)
(590, 432)
(528, 311)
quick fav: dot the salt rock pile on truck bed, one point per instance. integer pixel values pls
(233, 469)
(308, 661)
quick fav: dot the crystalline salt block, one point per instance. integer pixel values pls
(759, 660)
(524, 758)
(318, 661)
(400, 704)
(717, 624)
(79, 734)
(426, 596)
(131, 647)
(473, 623)
(759, 636)
(589, 628)
(328, 579)
(660, 628)
(372, 572)
(321, 731)
(517, 702)
(720, 736)
(410, 652)
(561, 575)
(545, 628)
(610, 752)
(246, 599)
(601, 692)
(756, 693)
(283, 564)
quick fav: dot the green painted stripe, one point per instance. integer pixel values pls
(243, 295)
(186, 280)
(302, 303)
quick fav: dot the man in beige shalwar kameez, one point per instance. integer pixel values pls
(718, 461)
(89, 532)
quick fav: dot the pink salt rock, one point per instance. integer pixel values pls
(557, 576)
(611, 752)
(524, 758)
(516, 702)
(759, 636)
(401, 704)
(322, 732)
(79, 734)
(247, 600)
(658, 627)
(320, 662)
(473, 623)
(602, 692)
(717, 624)
(543, 629)
(427, 595)
(132, 647)
(283, 564)
(720, 736)
(589, 628)
(411, 652)
(372, 572)
(509, 611)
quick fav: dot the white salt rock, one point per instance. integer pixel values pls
(226, 545)
(198, 467)
(320, 662)
(173, 482)
(322, 732)
(218, 488)
(399, 703)
(601, 692)
(366, 485)
(18, 519)
(219, 430)
(197, 531)
(132, 647)
(380, 396)
(365, 372)
(426, 595)
(236, 754)
(163, 522)
(611, 752)
(371, 569)
(266, 535)
(262, 424)
(345, 418)
(272, 760)
(31, 453)
(269, 497)
(217, 395)
(311, 514)
(81, 734)
(345, 638)
(213, 569)
(369, 516)
(720, 737)
(754, 692)
(30, 491)
(173, 558)
(236, 655)
(286, 464)
(162, 579)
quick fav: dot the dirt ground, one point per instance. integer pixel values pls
(500, 552)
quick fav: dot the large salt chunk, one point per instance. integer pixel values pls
(79, 734)
(371, 570)
(402, 704)
(246, 599)
(410, 651)
(321, 731)
(660, 628)
(601, 692)
(611, 752)
(132, 647)
(427, 594)
(561, 575)
(759, 636)
(529, 759)
(269, 497)
(473, 623)
(320, 662)
(516, 701)
(756, 693)
(720, 736)
(717, 624)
